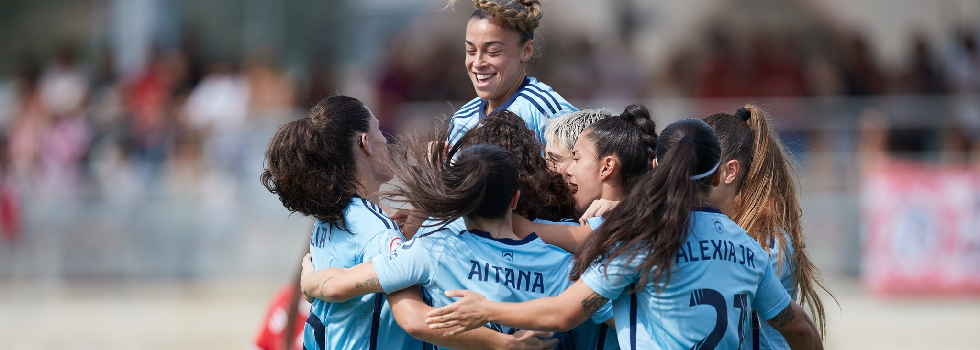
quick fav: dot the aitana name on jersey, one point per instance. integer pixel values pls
(506, 276)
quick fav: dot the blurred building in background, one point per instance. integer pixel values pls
(133, 131)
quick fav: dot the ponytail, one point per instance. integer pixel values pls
(771, 204)
(655, 216)
(767, 201)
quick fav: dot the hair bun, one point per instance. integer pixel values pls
(640, 116)
(743, 114)
(636, 111)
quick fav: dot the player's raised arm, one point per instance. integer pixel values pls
(560, 313)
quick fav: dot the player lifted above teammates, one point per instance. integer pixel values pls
(499, 43)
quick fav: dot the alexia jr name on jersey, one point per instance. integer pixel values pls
(720, 275)
(363, 323)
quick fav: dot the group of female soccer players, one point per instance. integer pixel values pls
(533, 225)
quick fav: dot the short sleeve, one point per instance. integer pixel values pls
(610, 281)
(770, 298)
(603, 314)
(411, 264)
(594, 222)
(385, 241)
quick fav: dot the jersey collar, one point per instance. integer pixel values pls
(507, 241)
(513, 97)
(708, 210)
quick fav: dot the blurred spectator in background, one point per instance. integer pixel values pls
(64, 90)
(923, 75)
(271, 89)
(216, 109)
(319, 83)
(964, 73)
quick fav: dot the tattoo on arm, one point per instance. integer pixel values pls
(783, 318)
(592, 303)
(321, 296)
(373, 282)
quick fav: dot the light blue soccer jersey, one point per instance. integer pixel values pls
(534, 101)
(589, 335)
(363, 323)
(720, 274)
(501, 269)
(594, 222)
(768, 337)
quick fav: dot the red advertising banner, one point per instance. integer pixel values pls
(920, 229)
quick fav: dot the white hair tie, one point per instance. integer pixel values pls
(699, 176)
(705, 174)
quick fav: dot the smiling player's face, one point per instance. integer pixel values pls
(494, 59)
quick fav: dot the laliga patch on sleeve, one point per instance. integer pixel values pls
(395, 243)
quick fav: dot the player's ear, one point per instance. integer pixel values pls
(513, 201)
(527, 51)
(729, 171)
(362, 142)
(607, 166)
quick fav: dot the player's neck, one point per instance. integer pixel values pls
(494, 104)
(497, 228)
(367, 186)
(611, 192)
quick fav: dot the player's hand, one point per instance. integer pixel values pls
(307, 269)
(463, 315)
(598, 208)
(527, 340)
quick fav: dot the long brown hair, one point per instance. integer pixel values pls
(310, 162)
(448, 184)
(655, 216)
(544, 193)
(766, 201)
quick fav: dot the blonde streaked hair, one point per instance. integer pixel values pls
(565, 130)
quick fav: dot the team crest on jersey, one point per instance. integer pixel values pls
(719, 227)
(508, 255)
(394, 243)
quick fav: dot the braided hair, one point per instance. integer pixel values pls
(522, 16)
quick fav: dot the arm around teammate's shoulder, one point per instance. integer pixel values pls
(410, 312)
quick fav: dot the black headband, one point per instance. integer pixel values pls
(743, 114)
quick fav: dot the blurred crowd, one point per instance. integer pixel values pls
(727, 62)
(76, 130)
(68, 121)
